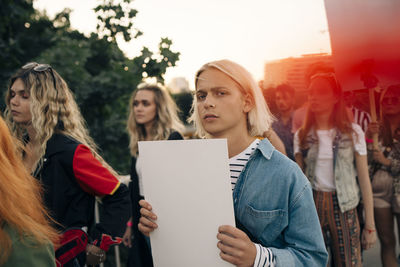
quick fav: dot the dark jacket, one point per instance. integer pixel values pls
(140, 253)
(72, 177)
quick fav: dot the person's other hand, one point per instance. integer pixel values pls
(127, 238)
(236, 247)
(147, 220)
(368, 238)
(379, 157)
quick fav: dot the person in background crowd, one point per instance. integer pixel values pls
(26, 236)
(272, 136)
(277, 224)
(385, 172)
(42, 113)
(284, 99)
(325, 148)
(298, 117)
(358, 116)
(152, 116)
(301, 112)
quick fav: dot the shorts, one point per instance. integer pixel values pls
(383, 191)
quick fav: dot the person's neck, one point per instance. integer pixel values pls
(31, 133)
(286, 115)
(147, 128)
(323, 121)
(237, 142)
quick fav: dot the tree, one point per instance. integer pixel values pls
(95, 68)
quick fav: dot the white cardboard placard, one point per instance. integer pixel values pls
(187, 183)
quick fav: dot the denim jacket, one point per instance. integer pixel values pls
(347, 189)
(273, 200)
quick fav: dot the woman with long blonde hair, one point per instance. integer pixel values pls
(152, 116)
(43, 114)
(26, 236)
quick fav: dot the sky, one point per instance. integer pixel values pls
(249, 32)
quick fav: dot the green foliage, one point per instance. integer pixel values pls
(115, 18)
(100, 75)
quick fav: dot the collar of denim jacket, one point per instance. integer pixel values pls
(266, 148)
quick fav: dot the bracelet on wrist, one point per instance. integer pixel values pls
(370, 231)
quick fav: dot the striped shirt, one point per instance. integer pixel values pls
(361, 117)
(264, 256)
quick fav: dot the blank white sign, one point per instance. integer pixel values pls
(187, 182)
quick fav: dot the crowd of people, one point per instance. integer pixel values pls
(332, 142)
(310, 188)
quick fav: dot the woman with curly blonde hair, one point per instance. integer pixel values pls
(43, 114)
(152, 116)
(25, 233)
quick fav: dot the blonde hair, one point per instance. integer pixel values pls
(259, 119)
(53, 109)
(165, 122)
(21, 204)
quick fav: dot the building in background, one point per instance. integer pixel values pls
(178, 85)
(292, 70)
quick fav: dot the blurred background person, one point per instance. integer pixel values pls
(300, 113)
(152, 116)
(269, 97)
(42, 113)
(385, 173)
(357, 115)
(326, 147)
(284, 100)
(26, 237)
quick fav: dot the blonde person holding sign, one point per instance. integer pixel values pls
(277, 224)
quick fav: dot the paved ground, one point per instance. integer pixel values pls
(372, 256)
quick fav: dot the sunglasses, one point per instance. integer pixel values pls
(40, 68)
(329, 75)
(394, 100)
(36, 66)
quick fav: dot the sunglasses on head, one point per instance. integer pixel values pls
(330, 75)
(40, 68)
(36, 66)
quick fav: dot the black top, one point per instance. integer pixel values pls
(140, 255)
(72, 177)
